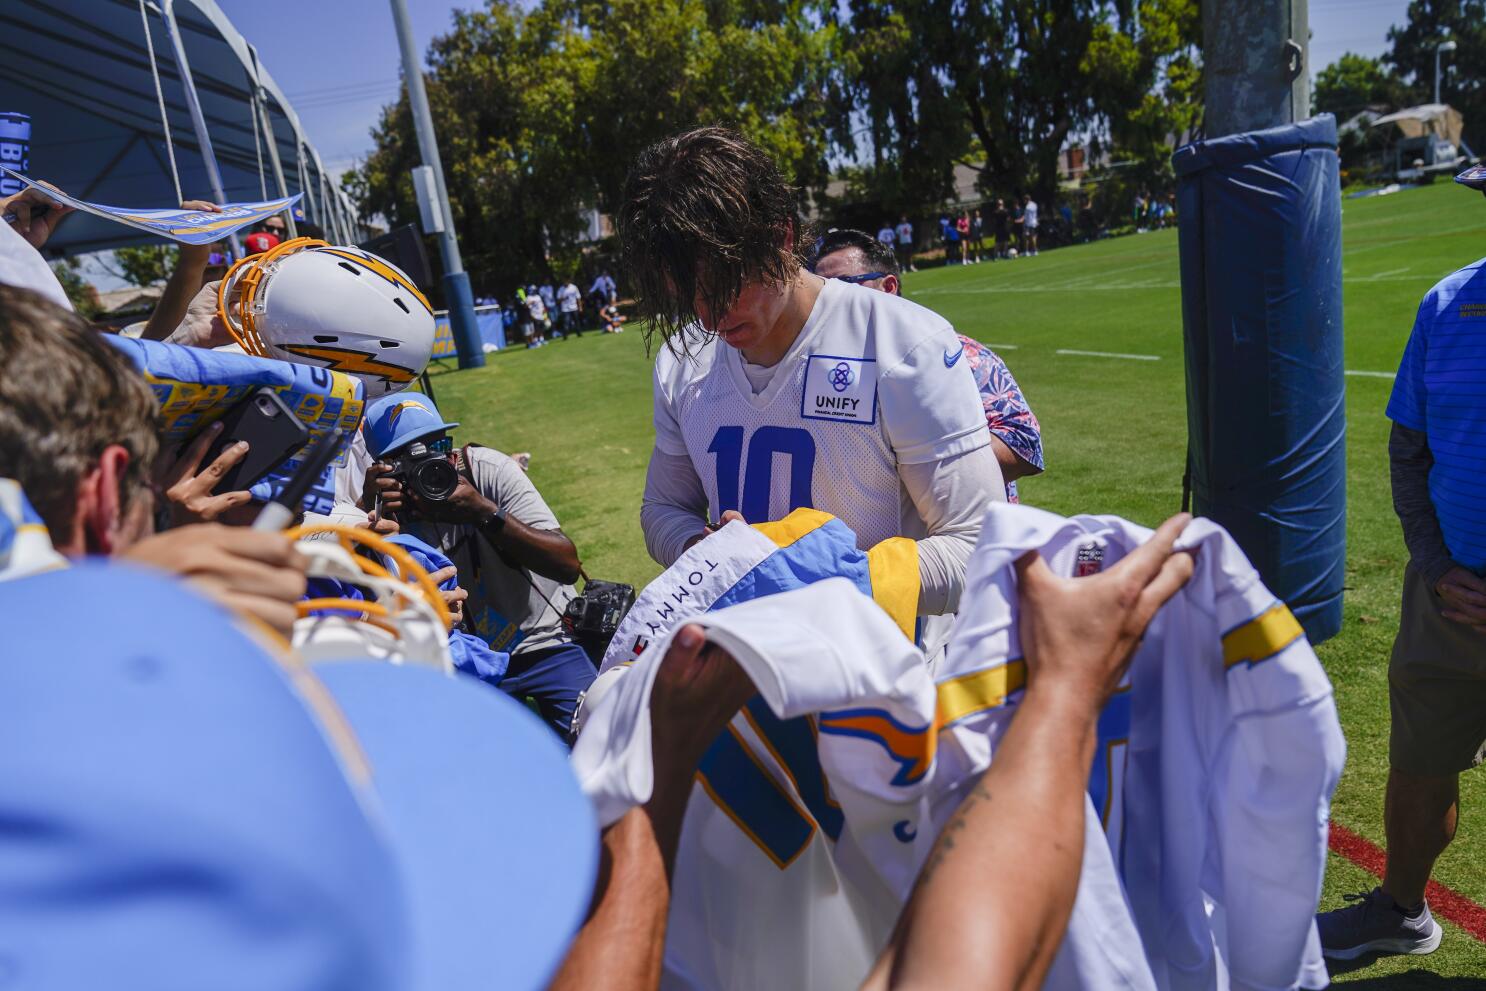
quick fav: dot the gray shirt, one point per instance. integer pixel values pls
(509, 607)
(1409, 461)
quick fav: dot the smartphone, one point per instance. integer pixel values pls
(273, 434)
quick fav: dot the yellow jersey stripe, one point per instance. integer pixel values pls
(893, 566)
(1261, 637)
(797, 525)
(978, 691)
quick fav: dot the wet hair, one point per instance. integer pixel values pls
(880, 257)
(706, 213)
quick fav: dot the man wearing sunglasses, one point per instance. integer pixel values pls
(511, 557)
(1016, 438)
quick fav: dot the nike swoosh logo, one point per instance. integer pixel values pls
(950, 359)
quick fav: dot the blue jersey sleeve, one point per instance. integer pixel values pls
(1406, 407)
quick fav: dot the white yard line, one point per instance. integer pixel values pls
(1002, 347)
(1110, 354)
(1370, 375)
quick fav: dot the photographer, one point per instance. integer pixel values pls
(478, 507)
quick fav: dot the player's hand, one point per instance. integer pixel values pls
(202, 327)
(728, 516)
(188, 492)
(381, 493)
(453, 598)
(466, 504)
(1464, 596)
(698, 688)
(1078, 634)
(31, 222)
(250, 572)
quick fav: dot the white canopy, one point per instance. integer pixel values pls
(1436, 118)
(81, 70)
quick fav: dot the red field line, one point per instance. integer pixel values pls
(1444, 902)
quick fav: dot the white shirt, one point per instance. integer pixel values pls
(536, 307)
(886, 235)
(905, 233)
(567, 298)
(1030, 217)
(22, 265)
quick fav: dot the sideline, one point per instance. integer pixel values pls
(1447, 903)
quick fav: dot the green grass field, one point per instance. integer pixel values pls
(1114, 432)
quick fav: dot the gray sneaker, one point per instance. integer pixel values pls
(1375, 924)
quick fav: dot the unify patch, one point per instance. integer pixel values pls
(841, 389)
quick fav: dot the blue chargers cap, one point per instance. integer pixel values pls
(196, 814)
(399, 419)
(1474, 177)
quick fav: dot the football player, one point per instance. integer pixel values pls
(778, 389)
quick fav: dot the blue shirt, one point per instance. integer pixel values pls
(1441, 392)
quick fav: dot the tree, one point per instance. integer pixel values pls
(540, 112)
(80, 292)
(143, 265)
(1355, 82)
(1004, 86)
(1412, 57)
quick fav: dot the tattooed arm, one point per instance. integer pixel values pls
(994, 897)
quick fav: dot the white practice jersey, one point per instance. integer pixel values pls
(873, 381)
(812, 812)
(1214, 771)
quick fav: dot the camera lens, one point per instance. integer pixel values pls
(434, 479)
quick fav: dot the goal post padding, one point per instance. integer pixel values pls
(1260, 239)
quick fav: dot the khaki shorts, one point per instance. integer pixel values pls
(1436, 687)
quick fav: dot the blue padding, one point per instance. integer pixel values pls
(1260, 224)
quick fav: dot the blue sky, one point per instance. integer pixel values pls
(337, 60)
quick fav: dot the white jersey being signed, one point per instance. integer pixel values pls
(1214, 769)
(872, 382)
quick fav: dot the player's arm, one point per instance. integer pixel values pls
(697, 690)
(994, 897)
(184, 282)
(673, 513)
(933, 418)
(951, 497)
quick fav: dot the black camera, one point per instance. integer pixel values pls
(593, 617)
(427, 474)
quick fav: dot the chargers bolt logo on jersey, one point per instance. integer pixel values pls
(840, 389)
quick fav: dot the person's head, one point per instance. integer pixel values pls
(395, 424)
(275, 226)
(710, 236)
(1026, 198)
(1000, 203)
(77, 427)
(854, 256)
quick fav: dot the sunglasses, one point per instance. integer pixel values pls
(857, 280)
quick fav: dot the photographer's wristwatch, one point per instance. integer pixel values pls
(496, 520)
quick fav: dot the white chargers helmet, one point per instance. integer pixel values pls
(402, 618)
(341, 308)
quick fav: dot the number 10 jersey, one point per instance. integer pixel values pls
(872, 381)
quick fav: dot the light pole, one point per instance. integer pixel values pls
(1444, 46)
(456, 283)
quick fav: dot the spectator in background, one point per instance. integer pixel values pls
(886, 235)
(1437, 674)
(1029, 225)
(612, 319)
(537, 309)
(569, 309)
(549, 297)
(962, 228)
(977, 235)
(954, 245)
(945, 227)
(905, 245)
(1019, 224)
(524, 325)
(1001, 226)
(268, 234)
(1016, 437)
(510, 554)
